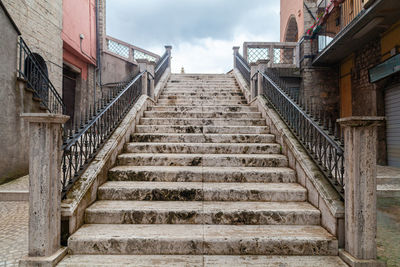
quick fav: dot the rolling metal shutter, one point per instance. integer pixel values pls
(392, 109)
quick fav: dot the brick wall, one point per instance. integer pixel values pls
(40, 23)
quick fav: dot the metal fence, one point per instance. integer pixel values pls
(32, 69)
(319, 133)
(243, 67)
(161, 66)
(83, 140)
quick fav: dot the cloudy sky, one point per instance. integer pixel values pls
(202, 32)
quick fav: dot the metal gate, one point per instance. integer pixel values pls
(392, 110)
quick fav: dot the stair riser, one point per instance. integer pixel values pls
(201, 138)
(203, 246)
(209, 161)
(202, 122)
(202, 129)
(225, 115)
(196, 216)
(249, 176)
(203, 148)
(167, 94)
(204, 109)
(202, 98)
(174, 102)
(192, 194)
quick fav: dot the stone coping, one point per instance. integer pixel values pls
(45, 117)
(320, 192)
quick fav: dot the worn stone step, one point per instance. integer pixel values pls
(203, 121)
(199, 191)
(198, 94)
(195, 239)
(203, 148)
(202, 129)
(176, 114)
(209, 160)
(199, 261)
(199, 91)
(202, 174)
(204, 108)
(202, 138)
(203, 98)
(198, 212)
(198, 102)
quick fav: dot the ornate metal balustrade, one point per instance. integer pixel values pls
(278, 53)
(83, 140)
(32, 69)
(319, 134)
(243, 67)
(127, 51)
(161, 66)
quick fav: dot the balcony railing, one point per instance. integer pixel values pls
(279, 54)
(127, 51)
(33, 72)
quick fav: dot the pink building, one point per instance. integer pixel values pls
(292, 20)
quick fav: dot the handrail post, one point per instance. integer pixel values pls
(168, 49)
(143, 66)
(262, 65)
(150, 69)
(253, 85)
(360, 135)
(44, 189)
(235, 52)
(271, 55)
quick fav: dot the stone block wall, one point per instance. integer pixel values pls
(40, 23)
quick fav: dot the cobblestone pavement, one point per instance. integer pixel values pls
(13, 232)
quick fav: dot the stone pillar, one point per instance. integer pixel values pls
(143, 63)
(45, 141)
(253, 84)
(360, 137)
(150, 68)
(168, 48)
(271, 55)
(262, 65)
(235, 52)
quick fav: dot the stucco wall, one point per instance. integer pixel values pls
(115, 69)
(40, 23)
(289, 8)
(13, 159)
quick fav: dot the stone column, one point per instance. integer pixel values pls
(262, 65)
(360, 137)
(235, 52)
(143, 63)
(150, 68)
(168, 48)
(253, 84)
(45, 140)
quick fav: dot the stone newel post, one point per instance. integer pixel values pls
(235, 52)
(44, 189)
(360, 134)
(150, 68)
(168, 48)
(143, 67)
(253, 84)
(261, 67)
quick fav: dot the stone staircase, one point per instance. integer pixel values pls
(202, 184)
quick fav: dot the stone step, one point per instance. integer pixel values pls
(203, 148)
(199, 91)
(388, 190)
(203, 122)
(198, 102)
(233, 108)
(198, 212)
(198, 261)
(202, 174)
(198, 94)
(202, 138)
(203, 115)
(209, 160)
(199, 191)
(202, 129)
(202, 98)
(195, 239)
(208, 86)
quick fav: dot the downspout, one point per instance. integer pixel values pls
(98, 61)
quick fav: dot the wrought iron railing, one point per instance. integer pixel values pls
(83, 140)
(34, 72)
(161, 66)
(243, 67)
(319, 134)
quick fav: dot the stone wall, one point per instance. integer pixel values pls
(40, 23)
(115, 69)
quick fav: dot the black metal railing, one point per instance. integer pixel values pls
(161, 65)
(83, 140)
(243, 67)
(319, 133)
(32, 69)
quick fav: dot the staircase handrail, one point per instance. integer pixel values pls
(161, 66)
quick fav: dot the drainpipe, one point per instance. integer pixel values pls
(98, 61)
